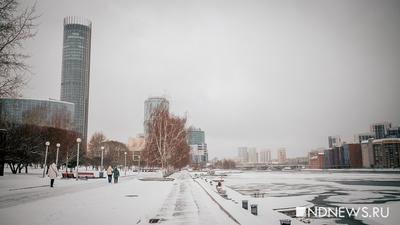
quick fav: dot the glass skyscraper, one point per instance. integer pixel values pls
(76, 70)
(150, 105)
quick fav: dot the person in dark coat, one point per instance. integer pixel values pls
(116, 175)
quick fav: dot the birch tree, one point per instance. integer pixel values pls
(166, 144)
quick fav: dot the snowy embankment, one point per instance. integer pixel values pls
(233, 205)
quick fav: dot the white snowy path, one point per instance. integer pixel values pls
(187, 203)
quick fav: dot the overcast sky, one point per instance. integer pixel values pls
(255, 73)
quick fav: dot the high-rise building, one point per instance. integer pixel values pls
(243, 155)
(253, 156)
(150, 105)
(195, 136)
(380, 129)
(316, 160)
(394, 132)
(334, 141)
(76, 70)
(367, 153)
(199, 154)
(386, 153)
(265, 156)
(363, 137)
(196, 141)
(352, 155)
(282, 155)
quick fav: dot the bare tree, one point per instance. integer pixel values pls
(15, 28)
(166, 144)
(114, 153)
(96, 141)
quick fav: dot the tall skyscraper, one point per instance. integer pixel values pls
(149, 106)
(76, 70)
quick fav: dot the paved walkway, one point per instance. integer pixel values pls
(188, 203)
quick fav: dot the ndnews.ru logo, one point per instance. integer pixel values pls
(342, 212)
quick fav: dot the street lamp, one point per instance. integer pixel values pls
(45, 157)
(102, 155)
(78, 140)
(58, 149)
(125, 162)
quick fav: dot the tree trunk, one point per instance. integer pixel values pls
(12, 167)
(26, 168)
(2, 168)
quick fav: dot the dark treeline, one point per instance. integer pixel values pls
(23, 145)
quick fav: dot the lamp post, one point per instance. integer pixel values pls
(78, 140)
(58, 149)
(45, 157)
(102, 155)
(139, 164)
(125, 162)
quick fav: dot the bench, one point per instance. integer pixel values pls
(68, 175)
(85, 175)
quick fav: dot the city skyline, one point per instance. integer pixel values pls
(261, 79)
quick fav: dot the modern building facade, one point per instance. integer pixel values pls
(352, 155)
(195, 136)
(75, 76)
(334, 141)
(150, 105)
(316, 160)
(199, 154)
(49, 113)
(198, 146)
(367, 153)
(394, 132)
(386, 153)
(380, 129)
(363, 137)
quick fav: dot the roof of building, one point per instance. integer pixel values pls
(36, 99)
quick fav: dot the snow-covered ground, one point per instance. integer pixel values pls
(295, 189)
(28, 199)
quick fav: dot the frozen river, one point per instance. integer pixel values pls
(323, 189)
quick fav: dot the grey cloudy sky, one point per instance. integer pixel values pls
(256, 73)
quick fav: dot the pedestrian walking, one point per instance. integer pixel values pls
(109, 173)
(52, 173)
(116, 175)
